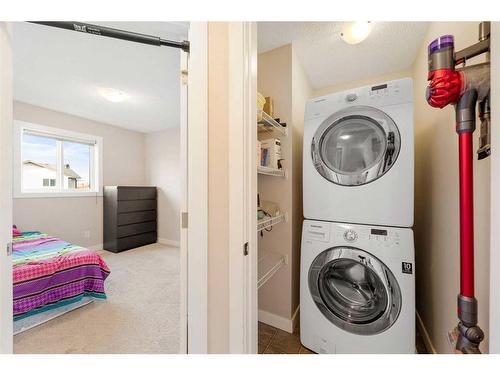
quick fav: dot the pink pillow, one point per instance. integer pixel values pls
(15, 231)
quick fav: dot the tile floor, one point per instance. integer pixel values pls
(275, 341)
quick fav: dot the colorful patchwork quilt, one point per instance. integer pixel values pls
(49, 272)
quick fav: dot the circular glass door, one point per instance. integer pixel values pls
(355, 146)
(354, 290)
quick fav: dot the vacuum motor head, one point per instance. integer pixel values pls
(445, 83)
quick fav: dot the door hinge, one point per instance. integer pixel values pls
(245, 249)
(184, 220)
(9, 249)
(184, 77)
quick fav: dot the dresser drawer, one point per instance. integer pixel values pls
(136, 205)
(133, 229)
(126, 243)
(129, 193)
(136, 217)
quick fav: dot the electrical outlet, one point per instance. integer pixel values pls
(86, 234)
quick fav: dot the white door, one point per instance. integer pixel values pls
(6, 342)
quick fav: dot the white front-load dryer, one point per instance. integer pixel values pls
(358, 155)
(357, 288)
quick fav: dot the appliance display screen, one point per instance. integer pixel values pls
(379, 87)
(379, 232)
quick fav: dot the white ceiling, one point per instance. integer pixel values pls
(328, 60)
(62, 70)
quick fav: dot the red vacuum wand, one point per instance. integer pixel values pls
(461, 88)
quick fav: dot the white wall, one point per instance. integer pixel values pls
(162, 161)
(436, 204)
(70, 218)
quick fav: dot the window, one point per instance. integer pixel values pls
(56, 162)
(49, 182)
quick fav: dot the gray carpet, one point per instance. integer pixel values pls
(141, 314)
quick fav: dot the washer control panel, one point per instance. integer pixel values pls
(350, 235)
(374, 236)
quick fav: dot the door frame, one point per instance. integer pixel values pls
(6, 301)
(194, 156)
(195, 280)
(243, 335)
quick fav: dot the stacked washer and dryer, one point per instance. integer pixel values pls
(357, 286)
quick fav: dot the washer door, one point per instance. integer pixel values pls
(355, 146)
(354, 290)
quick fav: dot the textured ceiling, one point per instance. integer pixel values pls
(63, 70)
(328, 60)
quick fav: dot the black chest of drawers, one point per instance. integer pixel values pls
(130, 217)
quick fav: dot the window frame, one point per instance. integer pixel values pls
(96, 170)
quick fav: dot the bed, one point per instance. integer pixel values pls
(51, 274)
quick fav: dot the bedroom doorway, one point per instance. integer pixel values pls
(192, 239)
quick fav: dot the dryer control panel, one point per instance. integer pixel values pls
(379, 95)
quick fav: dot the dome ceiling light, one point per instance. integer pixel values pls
(356, 32)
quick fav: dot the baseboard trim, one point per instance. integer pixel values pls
(97, 247)
(295, 318)
(164, 241)
(425, 335)
(277, 321)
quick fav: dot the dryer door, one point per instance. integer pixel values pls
(355, 146)
(354, 290)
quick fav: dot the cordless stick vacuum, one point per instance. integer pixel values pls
(464, 87)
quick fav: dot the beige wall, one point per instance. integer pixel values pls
(69, 218)
(436, 204)
(301, 92)
(281, 76)
(218, 189)
(274, 78)
(162, 162)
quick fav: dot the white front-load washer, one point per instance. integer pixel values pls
(358, 155)
(357, 288)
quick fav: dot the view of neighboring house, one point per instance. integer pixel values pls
(42, 176)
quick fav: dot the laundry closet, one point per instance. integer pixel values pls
(345, 134)
(328, 159)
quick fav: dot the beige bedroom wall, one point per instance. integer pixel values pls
(69, 218)
(436, 203)
(162, 161)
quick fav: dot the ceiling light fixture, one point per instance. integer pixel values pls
(113, 95)
(356, 32)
